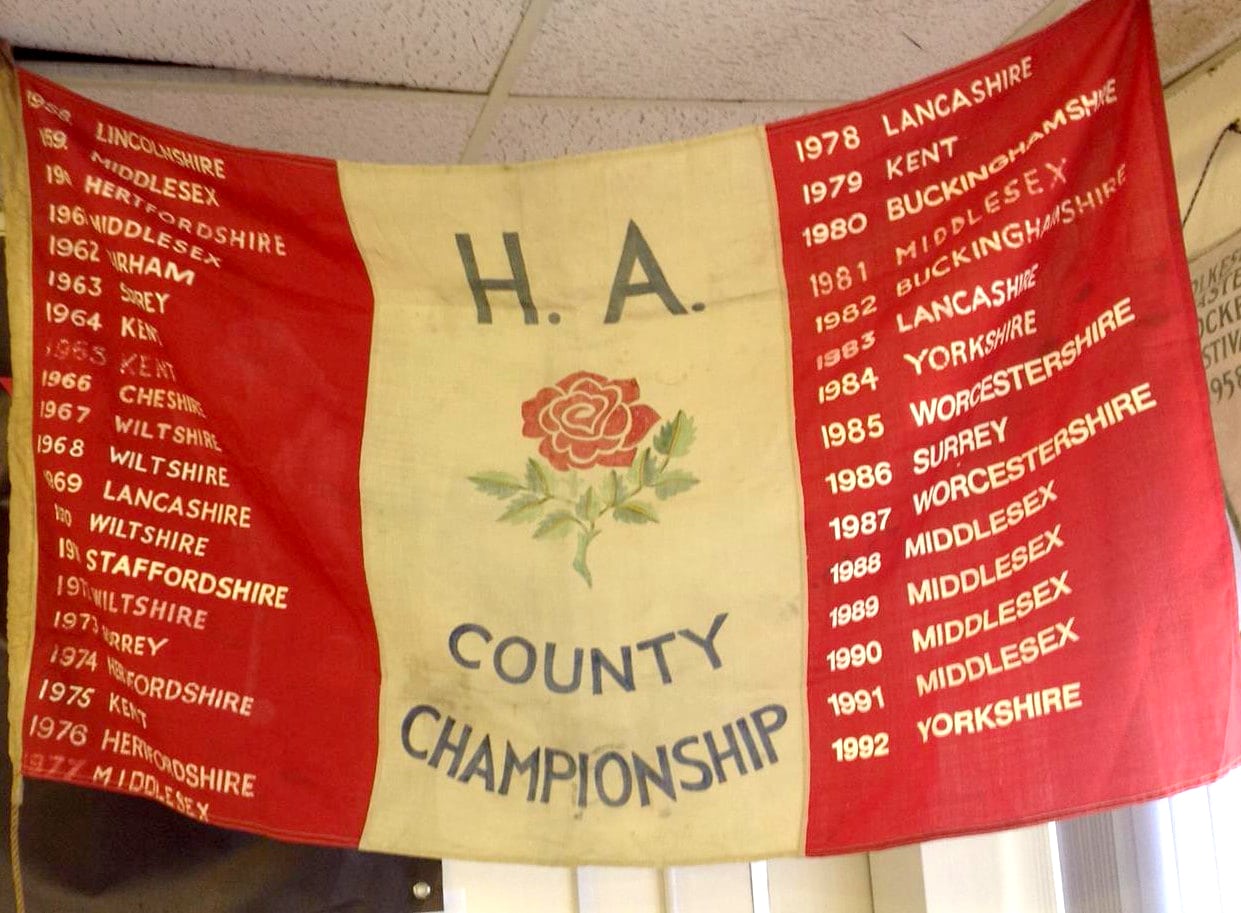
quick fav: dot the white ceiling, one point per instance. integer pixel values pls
(489, 80)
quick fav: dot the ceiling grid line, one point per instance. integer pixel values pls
(527, 30)
(155, 77)
(193, 78)
(85, 77)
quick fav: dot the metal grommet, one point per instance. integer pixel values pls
(421, 890)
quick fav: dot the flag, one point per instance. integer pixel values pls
(800, 490)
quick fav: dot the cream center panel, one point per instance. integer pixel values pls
(582, 516)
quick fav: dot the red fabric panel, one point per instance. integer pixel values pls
(1056, 701)
(273, 343)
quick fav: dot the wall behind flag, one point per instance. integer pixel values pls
(1201, 106)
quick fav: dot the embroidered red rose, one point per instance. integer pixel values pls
(587, 420)
(581, 421)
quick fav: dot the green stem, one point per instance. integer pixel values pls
(628, 495)
(641, 486)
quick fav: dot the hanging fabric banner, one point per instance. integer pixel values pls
(799, 490)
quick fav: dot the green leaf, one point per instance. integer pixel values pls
(643, 469)
(675, 437)
(636, 512)
(673, 482)
(579, 560)
(555, 525)
(523, 510)
(498, 484)
(607, 490)
(538, 477)
(589, 506)
(650, 468)
(633, 476)
(614, 491)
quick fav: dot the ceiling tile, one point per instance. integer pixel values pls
(529, 129)
(780, 49)
(443, 45)
(374, 125)
(1189, 31)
